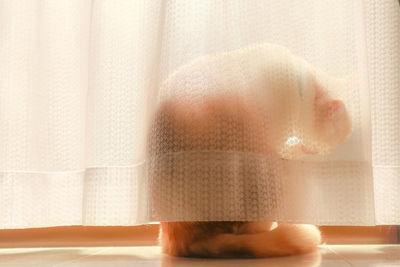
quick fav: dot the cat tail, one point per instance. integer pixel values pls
(286, 239)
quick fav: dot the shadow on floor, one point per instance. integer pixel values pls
(307, 260)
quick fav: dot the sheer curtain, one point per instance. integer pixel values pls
(80, 82)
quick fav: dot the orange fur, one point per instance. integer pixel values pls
(232, 239)
(237, 239)
(191, 126)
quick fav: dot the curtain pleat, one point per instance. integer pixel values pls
(81, 82)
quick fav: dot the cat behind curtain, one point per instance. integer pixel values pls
(251, 87)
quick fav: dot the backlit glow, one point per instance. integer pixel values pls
(292, 141)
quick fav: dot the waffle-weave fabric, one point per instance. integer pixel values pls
(82, 83)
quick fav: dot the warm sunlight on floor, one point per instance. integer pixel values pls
(327, 256)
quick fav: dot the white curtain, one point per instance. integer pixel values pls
(80, 81)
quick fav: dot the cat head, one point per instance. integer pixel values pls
(329, 125)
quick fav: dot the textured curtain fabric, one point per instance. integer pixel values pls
(80, 82)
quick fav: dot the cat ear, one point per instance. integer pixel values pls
(334, 107)
(335, 104)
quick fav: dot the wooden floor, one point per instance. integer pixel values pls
(149, 256)
(146, 235)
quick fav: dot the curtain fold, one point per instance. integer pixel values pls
(383, 45)
(80, 82)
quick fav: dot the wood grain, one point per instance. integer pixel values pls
(147, 235)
